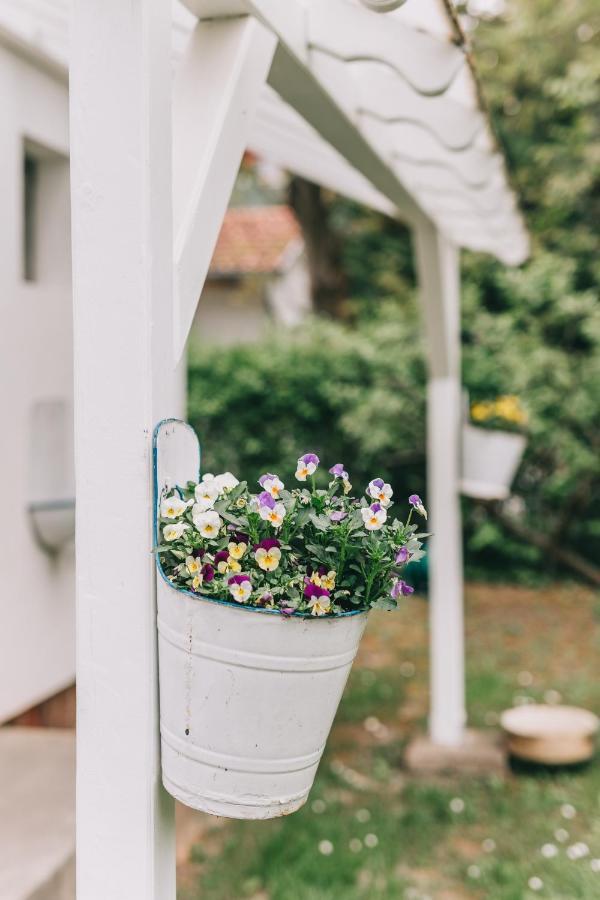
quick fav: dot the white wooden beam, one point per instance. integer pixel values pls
(438, 274)
(216, 92)
(125, 381)
(317, 101)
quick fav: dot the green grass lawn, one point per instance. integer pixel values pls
(371, 830)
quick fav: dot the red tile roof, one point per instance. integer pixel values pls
(254, 239)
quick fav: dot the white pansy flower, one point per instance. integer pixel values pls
(225, 482)
(373, 516)
(192, 564)
(172, 507)
(274, 514)
(379, 490)
(173, 532)
(205, 493)
(208, 523)
(319, 606)
(240, 588)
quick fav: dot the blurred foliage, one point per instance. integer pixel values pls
(346, 394)
(356, 394)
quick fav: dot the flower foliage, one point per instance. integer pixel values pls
(308, 550)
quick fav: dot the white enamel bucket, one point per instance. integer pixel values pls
(247, 700)
(247, 696)
(490, 460)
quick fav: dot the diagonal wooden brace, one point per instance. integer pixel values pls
(215, 96)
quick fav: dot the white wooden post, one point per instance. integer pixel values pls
(125, 381)
(439, 277)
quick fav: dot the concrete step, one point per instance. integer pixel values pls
(37, 814)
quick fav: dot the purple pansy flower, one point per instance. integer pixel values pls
(272, 484)
(379, 490)
(338, 515)
(307, 465)
(400, 589)
(313, 590)
(265, 499)
(238, 579)
(240, 587)
(267, 544)
(286, 610)
(338, 471)
(265, 598)
(198, 553)
(402, 556)
(208, 572)
(221, 556)
(240, 537)
(416, 501)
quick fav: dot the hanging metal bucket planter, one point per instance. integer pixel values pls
(247, 696)
(490, 459)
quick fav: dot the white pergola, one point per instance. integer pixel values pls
(381, 108)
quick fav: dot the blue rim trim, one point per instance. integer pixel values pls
(179, 590)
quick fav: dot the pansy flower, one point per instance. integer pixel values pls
(402, 556)
(237, 550)
(338, 515)
(192, 564)
(206, 493)
(338, 471)
(416, 501)
(400, 589)
(307, 465)
(225, 482)
(240, 587)
(208, 523)
(226, 563)
(172, 507)
(272, 484)
(380, 491)
(268, 559)
(208, 572)
(270, 510)
(319, 600)
(373, 516)
(196, 582)
(175, 531)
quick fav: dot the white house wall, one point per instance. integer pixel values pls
(36, 362)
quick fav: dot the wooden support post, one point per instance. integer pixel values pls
(439, 278)
(125, 381)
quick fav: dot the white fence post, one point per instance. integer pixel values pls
(439, 277)
(120, 83)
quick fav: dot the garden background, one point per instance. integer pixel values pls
(350, 384)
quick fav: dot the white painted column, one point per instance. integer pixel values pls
(125, 380)
(439, 278)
